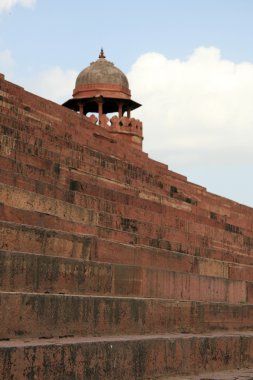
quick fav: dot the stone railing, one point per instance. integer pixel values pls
(128, 129)
(122, 125)
(92, 118)
(118, 124)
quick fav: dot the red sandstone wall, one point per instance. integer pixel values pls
(97, 184)
(98, 239)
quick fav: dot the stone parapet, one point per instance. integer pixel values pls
(126, 125)
(126, 128)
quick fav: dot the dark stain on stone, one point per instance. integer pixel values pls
(7, 363)
(96, 313)
(89, 243)
(75, 185)
(129, 225)
(139, 360)
(57, 168)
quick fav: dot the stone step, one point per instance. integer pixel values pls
(28, 239)
(131, 357)
(43, 220)
(92, 167)
(39, 273)
(122, 226)
(104, 170)
(32, 202)
(54, 274)
(28, 315)
(60, 125)
(109, 283)
(45, 164)
(234, 374)
(25, 200)
(25, 238)
(33, 239)
(39, 161)
(108, 228)
(44, 241)
(53, 144)
(48, 172)
(65, 121)
(233, 241)
(48, 166)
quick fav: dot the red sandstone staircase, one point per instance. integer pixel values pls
(111, 265)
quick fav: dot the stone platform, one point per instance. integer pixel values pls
(112, 266)
(123, 357)
(242, 374)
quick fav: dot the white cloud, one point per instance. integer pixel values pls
(7, 5)
(54, 84)
(197, 111)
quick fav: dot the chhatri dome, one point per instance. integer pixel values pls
(103, 89)
(102, 71)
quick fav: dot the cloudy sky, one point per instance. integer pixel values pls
(189, 62)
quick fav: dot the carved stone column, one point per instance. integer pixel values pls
(81, 108)
(100, 110)
(120, 108)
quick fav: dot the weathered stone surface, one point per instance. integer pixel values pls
(242, 374)
(50, 273)
(134, 357)
(134, 247)
(54, 315)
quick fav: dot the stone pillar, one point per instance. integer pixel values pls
(81, 108)
(128, 112)
(120, 108)
(100, 110)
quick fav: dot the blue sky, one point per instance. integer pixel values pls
(189, 62)
(70, 33)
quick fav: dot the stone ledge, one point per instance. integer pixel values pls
(131, 357)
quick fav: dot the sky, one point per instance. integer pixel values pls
(189, 63)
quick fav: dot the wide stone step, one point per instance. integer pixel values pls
(28, 149)
(188, 184)
(95, 184)
(56, 315)
(234, 374)
(36, 209)
(39, 240)
(105, 161)
(29, 201)
(64, 120)
(52, 131)
(40, 273)
(233, 241)
(26, 200)
(54, 274)
(47, 165)
(131, 357)
(32, 239)
(57, 123)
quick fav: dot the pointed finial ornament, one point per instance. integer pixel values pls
(101, 55)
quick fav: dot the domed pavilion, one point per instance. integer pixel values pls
(103, 89)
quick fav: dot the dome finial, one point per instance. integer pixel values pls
(101, 55)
